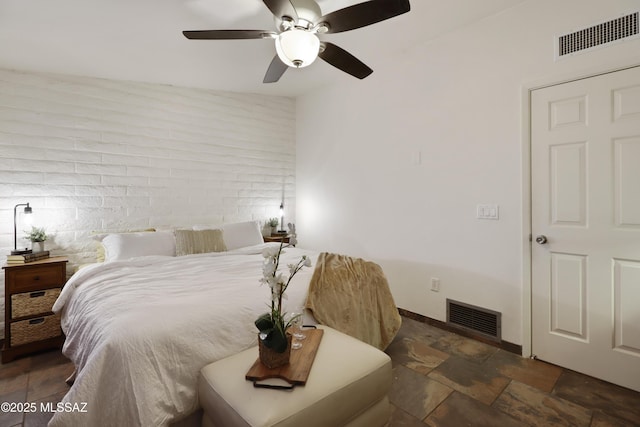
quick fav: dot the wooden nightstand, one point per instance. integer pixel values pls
(30, 290)
(276, 238)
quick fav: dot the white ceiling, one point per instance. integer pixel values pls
(141, 40)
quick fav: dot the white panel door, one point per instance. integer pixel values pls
(585, 178)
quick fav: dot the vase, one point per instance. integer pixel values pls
(37, 246)
(271, 358)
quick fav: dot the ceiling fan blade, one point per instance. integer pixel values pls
(344, 61)
(228, 34)
(281, 8)
(275, 71)
(363, 14)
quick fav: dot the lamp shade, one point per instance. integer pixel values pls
(28, 217)
(281, 218)
(297, 48)
(28, 211)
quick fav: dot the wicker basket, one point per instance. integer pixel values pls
(271, 358)
(32, 303)
(38, 329)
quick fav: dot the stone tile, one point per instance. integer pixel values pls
(536, 408)
(415, 393)
(415, 330)
(460, 410)
(13, 384)
(424, 358)
(610, 399)
(400, 418)
(48, 381)
(416, 355)
(41, 418)
(603, 420)
(410, 328)
(397, 350)
(470, 378)
(466, 348)
(37, 419)
(15, 368)
(49, 358)
(8, 418)
(535, 373)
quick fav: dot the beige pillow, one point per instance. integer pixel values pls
(199, 242)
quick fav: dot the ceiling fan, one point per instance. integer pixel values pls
(299, 22)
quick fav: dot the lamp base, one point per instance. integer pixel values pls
(23, 252)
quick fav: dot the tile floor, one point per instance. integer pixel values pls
(33, 379)
(445, 380)
(440, 379)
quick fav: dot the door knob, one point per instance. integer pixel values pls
(541, 239)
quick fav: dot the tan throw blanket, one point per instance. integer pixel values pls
(352, 295)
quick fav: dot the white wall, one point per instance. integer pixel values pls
(91, 154)
(458, 102)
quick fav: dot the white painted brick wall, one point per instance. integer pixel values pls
(93, 154)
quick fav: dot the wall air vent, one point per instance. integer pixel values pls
(474, 320)
(624, 27)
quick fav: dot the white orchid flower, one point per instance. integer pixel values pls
(292, 268)
(278, 284)
(270, 252)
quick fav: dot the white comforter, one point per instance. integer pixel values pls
(139, 331)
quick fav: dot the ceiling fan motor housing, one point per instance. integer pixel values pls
(307, 10)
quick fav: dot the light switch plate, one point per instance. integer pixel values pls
(488, 211)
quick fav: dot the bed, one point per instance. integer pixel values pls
(139, 329)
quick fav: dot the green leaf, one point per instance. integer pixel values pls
(264, 323)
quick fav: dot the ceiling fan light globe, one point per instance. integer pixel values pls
(297, 48)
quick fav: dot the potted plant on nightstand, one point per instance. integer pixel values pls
(273, 223)
(37, 235)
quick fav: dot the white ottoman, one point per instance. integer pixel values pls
(347, 386)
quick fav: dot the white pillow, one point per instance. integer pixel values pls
(238, 234)
(129, 245)
(99, 235)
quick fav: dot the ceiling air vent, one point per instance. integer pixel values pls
(475, 320)
(607, 32)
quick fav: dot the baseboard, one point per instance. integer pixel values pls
(504, 345)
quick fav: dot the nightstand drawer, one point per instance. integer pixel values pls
(38, 329)
(33, 303)
(45, 276)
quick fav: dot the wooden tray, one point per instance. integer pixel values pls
(300, 362)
